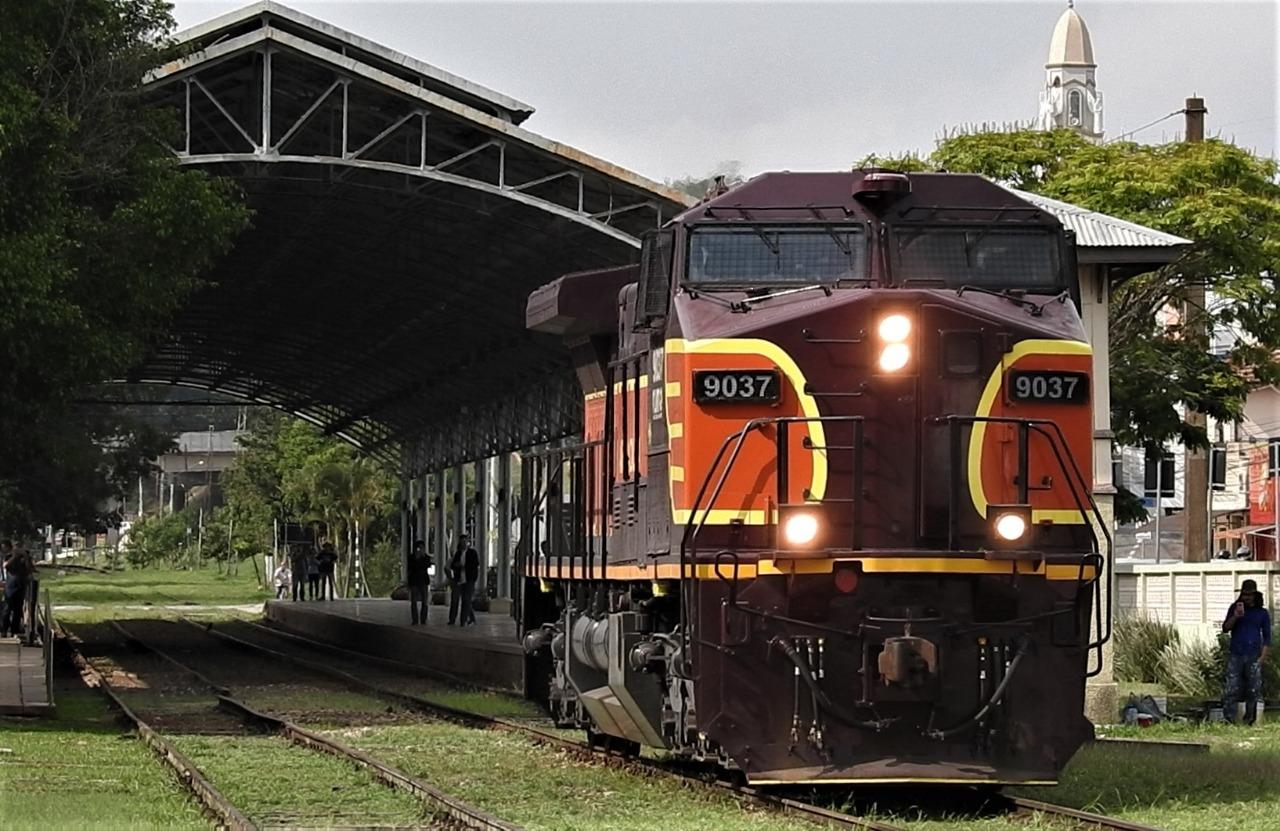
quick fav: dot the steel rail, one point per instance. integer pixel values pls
(740, 793)
(462, 814)
(1021, 805)
(190, 776)
(1014, 804)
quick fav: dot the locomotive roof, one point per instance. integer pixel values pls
(934, 197)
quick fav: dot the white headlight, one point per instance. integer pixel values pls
(800, 529)
(1011, 526)
(895, 328)
(894, 357)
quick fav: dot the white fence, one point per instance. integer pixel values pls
(1192, 596)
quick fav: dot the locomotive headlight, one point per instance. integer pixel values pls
(894, 357)
(894, 328)
(800, 529)
(1011, 526)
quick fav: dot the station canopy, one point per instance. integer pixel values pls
(401, 219)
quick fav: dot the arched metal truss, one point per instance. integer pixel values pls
(401, 219)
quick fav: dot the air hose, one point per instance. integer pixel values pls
(833, 709)
(999, 691)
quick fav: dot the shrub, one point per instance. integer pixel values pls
(1192, 669)
(1139, 643)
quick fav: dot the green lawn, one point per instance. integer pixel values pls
(1235, 785)
(81, 770)
(110, 595)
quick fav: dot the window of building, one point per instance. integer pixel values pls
(1075, 106)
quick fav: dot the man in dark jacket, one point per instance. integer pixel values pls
(19, 569)
(454, 575)
(298, 565)
(419, 580)
(327, 559)
(464, 569)
(470, 574)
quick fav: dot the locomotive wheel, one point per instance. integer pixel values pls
(613, 744)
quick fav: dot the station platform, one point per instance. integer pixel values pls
(487, 653)
(24, 683)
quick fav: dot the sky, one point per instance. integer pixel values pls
(674, 89)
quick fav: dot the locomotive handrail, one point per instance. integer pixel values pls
(552, 460)
(1076, 485)
(695, 523)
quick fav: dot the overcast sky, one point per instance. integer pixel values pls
(669, 89)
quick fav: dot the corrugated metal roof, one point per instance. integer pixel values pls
(1099, 230)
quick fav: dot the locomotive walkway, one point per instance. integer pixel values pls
(487, 653)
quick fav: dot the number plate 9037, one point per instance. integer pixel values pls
(714, 386)
(1049, 386)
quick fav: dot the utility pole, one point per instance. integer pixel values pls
(1195, 493)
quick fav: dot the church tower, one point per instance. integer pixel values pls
(1071, 99)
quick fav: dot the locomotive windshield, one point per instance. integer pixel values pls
(763, 255)
(996, 258)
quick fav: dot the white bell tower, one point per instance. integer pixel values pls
(1070, 98)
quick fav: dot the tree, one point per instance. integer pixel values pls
(102, 235)
(291, 471)
(1223, 198)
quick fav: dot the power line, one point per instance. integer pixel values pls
(1145, 126)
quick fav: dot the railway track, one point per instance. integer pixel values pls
(819, 815)
(446, 811)
(1015, 807)
(1011, 806)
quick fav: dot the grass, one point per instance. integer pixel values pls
(1235, 785)
(539, 788)
(109, 595)
(80, 770)
(276, 783)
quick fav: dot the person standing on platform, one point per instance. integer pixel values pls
(313, 573)
(298, 572)
(470, 574)
(454, 575)
(280, 577)
(19, 568)
(328, 561)
(419, 580)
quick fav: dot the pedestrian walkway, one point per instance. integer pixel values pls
(486, 653)
(24, 687)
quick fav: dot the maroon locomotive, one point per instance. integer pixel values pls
(830, 518)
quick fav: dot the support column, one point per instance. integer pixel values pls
(1101, 693)
(458, 498)
(423, 490)
(484, 527)
(439, 502)
(504, 525)
(406, 504)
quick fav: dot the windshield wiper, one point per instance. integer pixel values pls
(756, 299)
(844, 247)
(707, 293)
(1015, 296)
(747, 303)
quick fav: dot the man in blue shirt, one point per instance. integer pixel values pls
(1250, 626)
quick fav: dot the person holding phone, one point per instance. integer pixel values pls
(1250, 626)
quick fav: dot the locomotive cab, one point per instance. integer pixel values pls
(830, 517)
